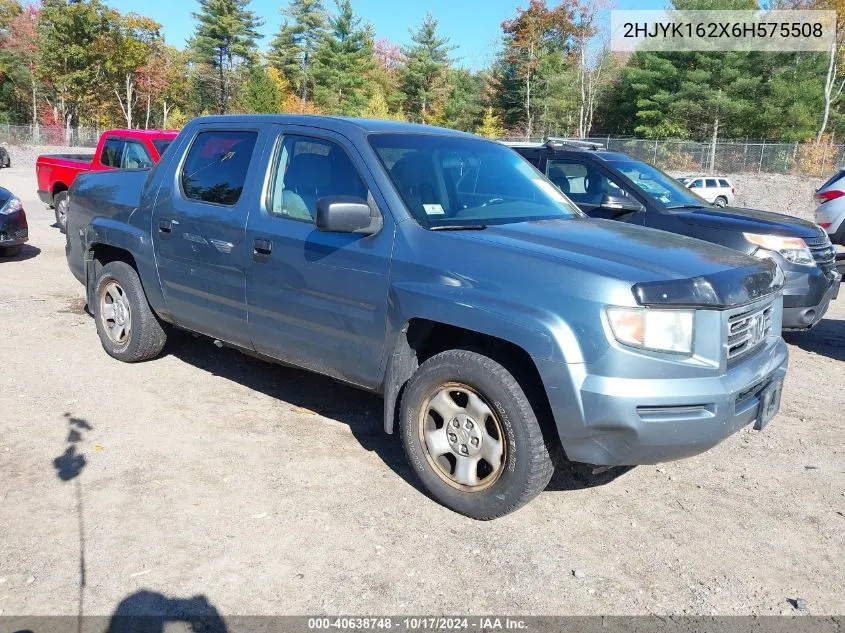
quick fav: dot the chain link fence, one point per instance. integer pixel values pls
(49, 135)
(729, 157)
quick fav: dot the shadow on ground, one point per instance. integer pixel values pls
(27, 252)
(150, 612)
(360, 411)
(826, 339)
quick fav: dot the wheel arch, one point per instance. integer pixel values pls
(421, 338)
(58, 187)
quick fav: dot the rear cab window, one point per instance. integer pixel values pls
(112, 153)
(215, 168)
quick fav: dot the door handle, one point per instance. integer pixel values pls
(262, 248)
(165, 227)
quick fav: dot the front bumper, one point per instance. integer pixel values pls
(610, 421)
(807, 296)
(13, 229)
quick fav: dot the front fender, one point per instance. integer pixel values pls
(541, 334)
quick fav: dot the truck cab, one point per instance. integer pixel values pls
(504, 329)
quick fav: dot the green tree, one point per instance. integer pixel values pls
(422, 77)
(464, 106)
(491, 126)
(260, 94)
(342, 62)
(72, 37)
(224, 38)
(292, 49)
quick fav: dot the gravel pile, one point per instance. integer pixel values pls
(25, 155)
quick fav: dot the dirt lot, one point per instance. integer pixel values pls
(271, 491)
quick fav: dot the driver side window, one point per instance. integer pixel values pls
(307, 169)
(582, 183)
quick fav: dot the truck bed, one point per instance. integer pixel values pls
(75, 158)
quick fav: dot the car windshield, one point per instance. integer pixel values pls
(450, 181)
(662, 187)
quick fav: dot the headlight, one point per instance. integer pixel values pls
(792, 249)
(654, 329)
(12, 206)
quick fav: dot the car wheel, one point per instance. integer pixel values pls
(472, 437)
(128, 329)
(60, 204)
(11, 251)
(721, 201)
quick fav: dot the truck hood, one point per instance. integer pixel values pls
(640, 256)
(750, 221)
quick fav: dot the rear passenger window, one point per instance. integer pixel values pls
(724, 183)
(307, 169)
(711, 182)
(216, 166)
(112, 152)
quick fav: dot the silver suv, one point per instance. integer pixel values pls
(830, 214)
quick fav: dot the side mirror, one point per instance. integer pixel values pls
(620, 204)
(346, 214)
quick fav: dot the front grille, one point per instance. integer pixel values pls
(823, 252)
(747, 330)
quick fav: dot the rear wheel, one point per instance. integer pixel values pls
(60, 204)
(721, 201)
(472, 437)
(126, 325)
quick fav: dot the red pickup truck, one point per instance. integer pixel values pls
(116, 149)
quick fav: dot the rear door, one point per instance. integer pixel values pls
(316, 299)
(198, 230)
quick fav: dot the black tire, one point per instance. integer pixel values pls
(721, 201)
(11, 251)
(525, 465)
(145, 336)
(60, 203)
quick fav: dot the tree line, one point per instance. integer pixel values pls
(70, 63)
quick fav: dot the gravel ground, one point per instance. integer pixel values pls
(211, 477)
(24, 155)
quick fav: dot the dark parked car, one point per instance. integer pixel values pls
(615, 186)
(443, 271)
(14, 231)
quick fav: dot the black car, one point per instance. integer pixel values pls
(614, 186)
(13, 227)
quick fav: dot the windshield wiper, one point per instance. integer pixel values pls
(459, 227)
(689, 206)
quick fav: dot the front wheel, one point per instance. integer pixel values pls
(60, 204)
(472, 437)
(128, 329)
(721, 201)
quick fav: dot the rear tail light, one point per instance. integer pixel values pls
(733, 191)
(825, 225)
(826, 196)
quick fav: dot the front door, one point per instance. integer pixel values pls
(586, 184)
(316, 299)
(199, 226)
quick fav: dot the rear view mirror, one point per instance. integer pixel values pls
(620, 204)
(346, 214)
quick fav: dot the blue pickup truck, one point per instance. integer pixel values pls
(502, 326)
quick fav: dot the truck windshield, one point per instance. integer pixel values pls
(662, 187)
(452, 182)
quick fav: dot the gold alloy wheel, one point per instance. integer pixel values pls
(462, 437)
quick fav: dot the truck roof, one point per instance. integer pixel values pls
(151, 134)
(338, 123)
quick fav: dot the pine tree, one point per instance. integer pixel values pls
(224, 38)
(427, 62)
(341, 63)
(491, 126)
(260, 94)
(292, 50)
